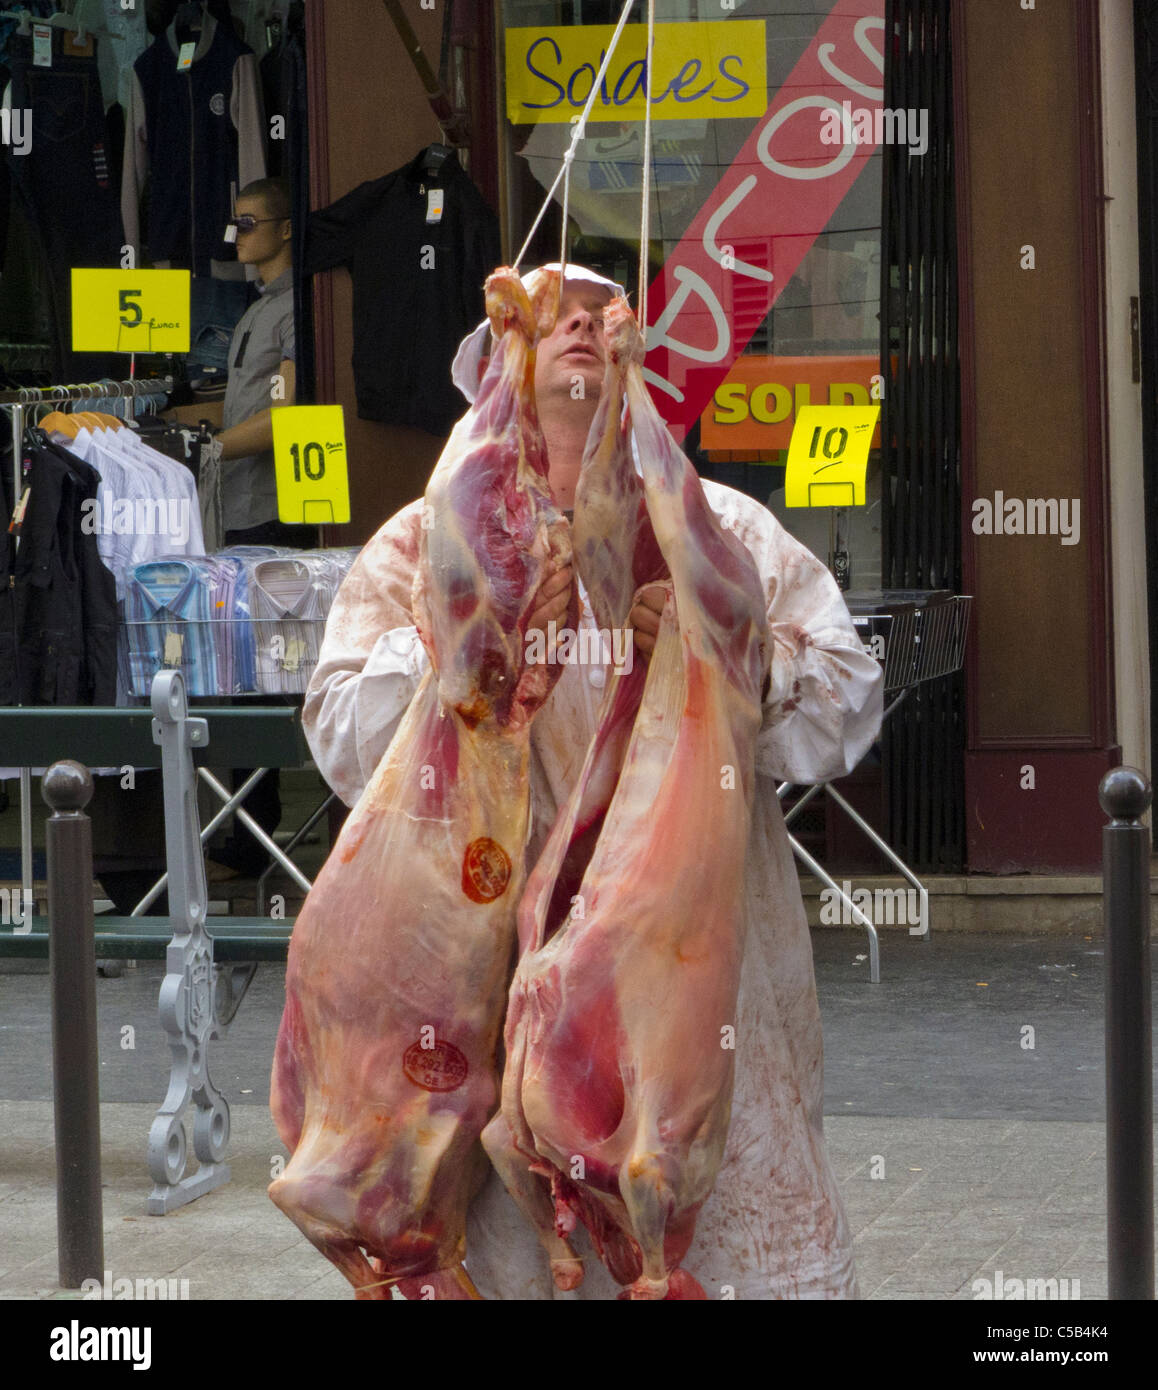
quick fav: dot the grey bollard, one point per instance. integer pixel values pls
(1125, 795)
(67, 788)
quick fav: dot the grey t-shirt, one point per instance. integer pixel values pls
(262, 340)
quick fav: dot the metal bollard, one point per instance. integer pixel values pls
(67, 788)
(1125, 795)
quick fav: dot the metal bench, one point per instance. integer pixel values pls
(210, 961)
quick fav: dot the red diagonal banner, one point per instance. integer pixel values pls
(769, 207)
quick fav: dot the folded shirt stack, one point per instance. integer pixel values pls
(247, 620)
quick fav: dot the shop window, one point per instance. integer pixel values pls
(812, 337)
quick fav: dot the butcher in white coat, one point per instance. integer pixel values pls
(774, 1226)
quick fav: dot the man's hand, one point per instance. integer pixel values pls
(552, 600)
(644, 618)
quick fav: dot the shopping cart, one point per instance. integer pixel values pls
(917, 635)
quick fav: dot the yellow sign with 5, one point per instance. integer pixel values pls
(309, 451)
(699, 70)
(828, 455)
(130, 310)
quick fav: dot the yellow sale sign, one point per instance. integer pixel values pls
(828, 455)
(130, 310)
(309, 454)
(699, 71)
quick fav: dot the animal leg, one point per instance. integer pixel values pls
(533, 1196)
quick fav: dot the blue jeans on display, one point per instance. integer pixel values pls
(215, 306)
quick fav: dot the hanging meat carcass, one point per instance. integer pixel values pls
(618, 1080)
(385, 1069)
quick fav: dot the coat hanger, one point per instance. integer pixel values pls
(189, 19)
(24, 16)
(59, 423)
(434, 157)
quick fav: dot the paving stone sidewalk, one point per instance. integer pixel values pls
(959, 1200)
(960, 1152)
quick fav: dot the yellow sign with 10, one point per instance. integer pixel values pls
(309, 450)
(828, 455)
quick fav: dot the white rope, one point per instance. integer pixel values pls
(645, 213)
(563, 237)
(564, 173)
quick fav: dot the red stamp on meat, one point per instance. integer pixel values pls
(438, 1068)
(486, 870)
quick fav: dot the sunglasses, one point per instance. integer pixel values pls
(246, 223)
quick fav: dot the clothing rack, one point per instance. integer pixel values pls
(18, 402)
(23, 397)
(83, 391)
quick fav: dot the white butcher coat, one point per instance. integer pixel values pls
(774, 1225)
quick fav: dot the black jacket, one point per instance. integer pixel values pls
(58, 617)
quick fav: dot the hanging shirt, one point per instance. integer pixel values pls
(774, 1226)
(178, 522)
(146, 504)
(263, 339)
(418, 278)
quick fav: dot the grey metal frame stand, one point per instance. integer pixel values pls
(198, 996)
(922, 646)
(810, 863)
(188, 993)
(231, 803)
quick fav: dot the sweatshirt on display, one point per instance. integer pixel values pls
(197, 134)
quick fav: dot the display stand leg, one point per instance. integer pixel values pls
(188, 1005)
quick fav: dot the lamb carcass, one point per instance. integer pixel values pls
(617, 1087)
(385, 1068)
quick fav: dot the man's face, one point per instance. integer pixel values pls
(575, 351)
(266, 239)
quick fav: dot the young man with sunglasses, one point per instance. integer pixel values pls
(260, 355)
(262, 352)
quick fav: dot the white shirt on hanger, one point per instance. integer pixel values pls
(146, 502)
(178, 486)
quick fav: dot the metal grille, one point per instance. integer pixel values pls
(923, 743)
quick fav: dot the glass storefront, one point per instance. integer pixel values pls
(764, 257)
